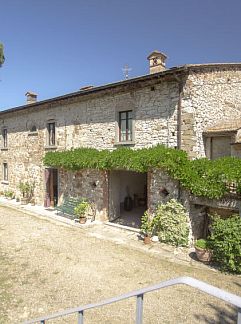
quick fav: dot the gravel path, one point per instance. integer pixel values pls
(48, 266)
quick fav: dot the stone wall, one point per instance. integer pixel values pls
(161, 188)
(91, 121)
(23, 154)
(89, 184)
(88, 121)
(210, 95)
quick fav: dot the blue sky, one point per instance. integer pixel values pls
(54, 47)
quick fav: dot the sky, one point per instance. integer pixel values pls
(55, 47)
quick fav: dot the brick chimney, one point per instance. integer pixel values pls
(157, 62)
(31, 97)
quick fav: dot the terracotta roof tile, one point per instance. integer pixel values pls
(225, 126)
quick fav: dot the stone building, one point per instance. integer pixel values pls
(193, 107)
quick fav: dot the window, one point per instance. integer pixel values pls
(5, 171)
(125, 126)
(5, 137)
(219, 146)
(51, 134)
(33, 129)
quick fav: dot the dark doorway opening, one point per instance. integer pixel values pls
(128, 197)
(51, 182)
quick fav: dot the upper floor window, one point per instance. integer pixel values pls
(33, 129)
(5, 137)
(5, 171)
(125, 126)
(51, 134)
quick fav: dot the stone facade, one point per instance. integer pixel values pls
(91, 184)
(162, 188)
(173, 107)
(210, 95)
(89, 121)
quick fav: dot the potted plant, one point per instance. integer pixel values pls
(81, 210)
(26, 190)
(203, 252)
(146, 227)
(9, 194)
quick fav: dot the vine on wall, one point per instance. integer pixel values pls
(202, 177)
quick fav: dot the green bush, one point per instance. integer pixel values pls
(225, 242)
(170, 223)
(146, 224)
(9, 194)
(26, 189)
(201, 177)
(81, 209)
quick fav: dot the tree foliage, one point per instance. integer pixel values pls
(2, 58)
(201, 177)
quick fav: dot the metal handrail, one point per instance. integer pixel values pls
(200, 285)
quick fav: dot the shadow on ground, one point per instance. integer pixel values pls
(221, 316)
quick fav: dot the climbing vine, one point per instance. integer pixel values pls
(212, 179)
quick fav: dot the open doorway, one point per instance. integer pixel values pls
(128, 197)
(51, 183)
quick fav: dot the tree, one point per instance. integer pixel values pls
(2, 58)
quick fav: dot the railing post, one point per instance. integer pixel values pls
(81, 317)
(239, 316)
(139, 309)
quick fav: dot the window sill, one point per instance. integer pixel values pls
(54, 147)
(4, 148)
(4, 182)
(126, 143)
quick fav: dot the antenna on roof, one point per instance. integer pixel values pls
(126, 69)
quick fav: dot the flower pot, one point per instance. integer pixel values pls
(24, 201)
(203, 255)
(82, 220)
(147, 239)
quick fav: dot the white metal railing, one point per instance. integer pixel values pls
(139, 294)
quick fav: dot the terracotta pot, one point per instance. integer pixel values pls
(82, 220)
(203, 255)
(147, 240)
(24, 201)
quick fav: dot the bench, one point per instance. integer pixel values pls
(67, 207)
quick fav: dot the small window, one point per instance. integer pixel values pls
(5, 171)
(125, 126)
(5, 137)
(51, 134)
(33, 129)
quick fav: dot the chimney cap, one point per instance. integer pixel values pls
(31, 93)
(157, 53)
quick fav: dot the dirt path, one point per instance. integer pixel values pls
(48, 266)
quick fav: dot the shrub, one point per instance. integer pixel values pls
(225, 241)
(26, 189)
(170, 223)
(9, 194)
(202, 177)
(81, 209)
(146, 224)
